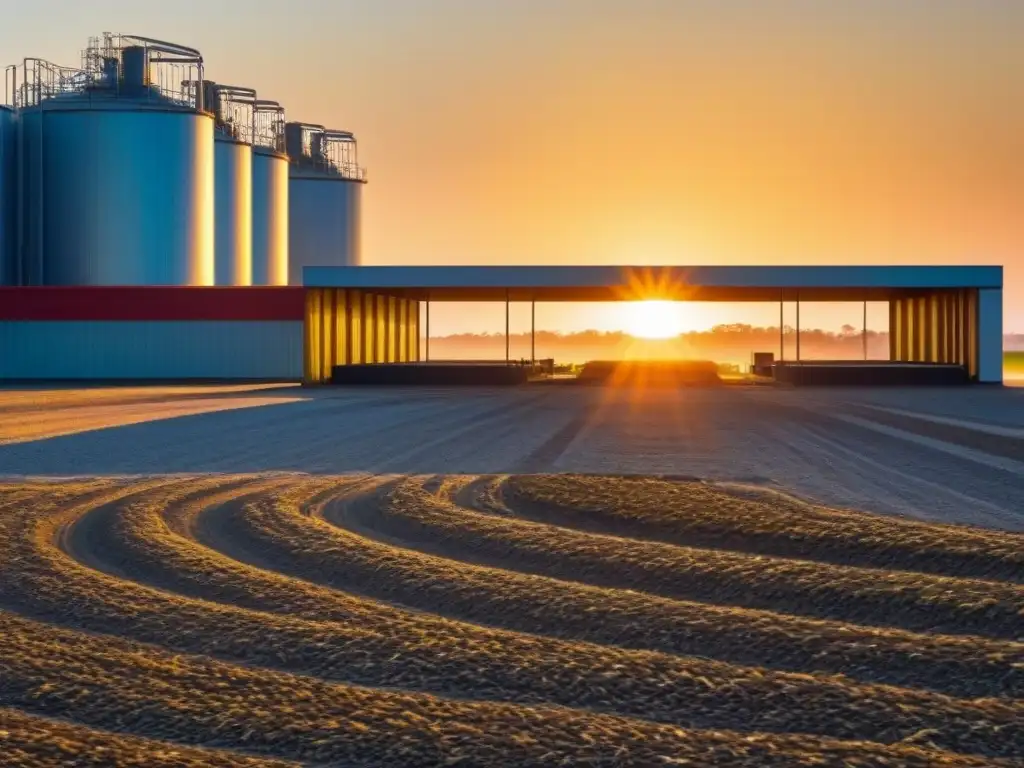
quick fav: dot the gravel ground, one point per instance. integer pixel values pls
(947, 455)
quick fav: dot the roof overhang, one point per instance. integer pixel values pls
(622, 283)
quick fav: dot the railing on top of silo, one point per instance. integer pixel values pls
(327, 151)
(268, 125)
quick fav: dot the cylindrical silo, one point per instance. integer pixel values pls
(118, 184)
(232, 211)
(8, 197)
(269, 217)
(323, 222)
(324, 199)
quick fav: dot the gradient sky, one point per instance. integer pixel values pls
(636, 131)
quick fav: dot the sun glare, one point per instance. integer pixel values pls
(653, 319)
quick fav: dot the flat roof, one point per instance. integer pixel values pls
(618, 283)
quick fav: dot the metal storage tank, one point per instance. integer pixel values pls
(232, 108)
(324, 199)
(269, 196)
(8, 196)
(232, 210)
(118, 168)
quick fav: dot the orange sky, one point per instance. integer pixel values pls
(640, 131)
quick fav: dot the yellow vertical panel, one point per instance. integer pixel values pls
(396, 329)
(897, 328)
(390, 355)
(401, 337)
(307, 339)
(947, 328)
(940, 328)
(905, 320)
(908, 330)
(369, 313)
(931, 308)
(369, 328)
(929, 348)
(397, 311)
(414, 330)
(921, 327)
(407, 336)
(314, 309)
(355, 326)
(381, 330)
(326, 333)
(340, 327)
(318, 336)
(904, 329)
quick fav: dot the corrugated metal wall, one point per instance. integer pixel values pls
(949, 327)
(151, 350)
(345, 327)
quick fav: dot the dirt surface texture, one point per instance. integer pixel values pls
(285, 618)
(945, 455)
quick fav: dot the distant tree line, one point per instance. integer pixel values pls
(733, 342)
(728, 342)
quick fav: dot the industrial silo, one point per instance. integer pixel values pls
(324, 199)
(118, 165)
(8, 197)
(232, 108)
(269, 196)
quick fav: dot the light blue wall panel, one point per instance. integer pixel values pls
(990, 336)
(106, 350)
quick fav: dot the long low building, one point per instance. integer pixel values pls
(354, 315)
(937, 314)
(151, 334)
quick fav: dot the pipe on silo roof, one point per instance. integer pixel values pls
(179, 53)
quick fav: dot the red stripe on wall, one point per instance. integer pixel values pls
(152, 303)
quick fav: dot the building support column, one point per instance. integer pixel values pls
(427, 335)
(798, 327)
(864, 330)
(533, 332)
(782, 332)
(507, 340)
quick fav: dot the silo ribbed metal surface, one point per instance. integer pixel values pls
(117, 193)
(8, 197)
(269, 217)
(232, 211)
(324, 217)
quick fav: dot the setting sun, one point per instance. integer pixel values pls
(653, 319)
